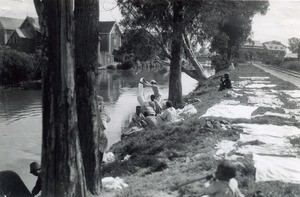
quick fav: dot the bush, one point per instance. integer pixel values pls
(293, 65)
(16, 67)
(219, 62)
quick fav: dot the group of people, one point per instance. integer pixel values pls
(152, 114)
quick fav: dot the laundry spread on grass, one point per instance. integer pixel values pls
(259, 85)
(230, 111)
(255, 78)
(265, 101)
(270, 168)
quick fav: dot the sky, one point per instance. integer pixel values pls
(281, 22)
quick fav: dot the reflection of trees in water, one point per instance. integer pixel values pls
(16, 104)
(110, 82)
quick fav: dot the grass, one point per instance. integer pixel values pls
(163, 157)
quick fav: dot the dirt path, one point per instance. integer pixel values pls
(283, 76)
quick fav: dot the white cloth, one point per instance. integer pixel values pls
(230, 111)
(269, 168)
(111, 183)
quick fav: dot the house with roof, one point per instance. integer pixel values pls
(110, 40)
(252, 50)
(27, 37)
(7, 27)
(275, 48)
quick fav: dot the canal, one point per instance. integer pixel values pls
(21, 115)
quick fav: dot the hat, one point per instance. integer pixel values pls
(153, 82)
(34, 166)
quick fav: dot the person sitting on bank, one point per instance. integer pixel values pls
(150, 120)
(35, 169)
(168, 115)
(153, 84)
(225, 83)
(224, 184)
(155, 104)
(137, 117)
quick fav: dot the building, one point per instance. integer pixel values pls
(27, 37)
(276, 49)
(291, 57)
(252, 50)
(7, 27)
(110, 40)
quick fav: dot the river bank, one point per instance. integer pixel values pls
(161, 158)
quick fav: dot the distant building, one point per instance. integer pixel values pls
(277, 49)
(110, 40)
(252, 50)
(291, 56)
(27, 37)
(7, 27)
(256, 45)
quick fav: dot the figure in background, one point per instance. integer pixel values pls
(35, 169)
(168, 115)
(225, 83)
(136, 118)
(224, 184)
(103, 119)
(155, 104)
(153, 84)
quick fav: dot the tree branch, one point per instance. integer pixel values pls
(199, 69)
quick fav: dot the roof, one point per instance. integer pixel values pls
(255, 45)
(105, 27)
(275, 47)
(34, 22)
(11, 23)
(291, 55)
(24, 33)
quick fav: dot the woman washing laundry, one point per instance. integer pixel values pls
(153, 84)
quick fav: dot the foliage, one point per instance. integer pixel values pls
(17, 66)
(137, 42)
(292, 65)
(293, 44)
(219, 62)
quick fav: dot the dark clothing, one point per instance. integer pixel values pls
(38, 186)
(11, 185)
(225, 84)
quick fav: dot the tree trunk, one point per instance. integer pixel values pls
(175, 87)
(62, 170)
(86, 55)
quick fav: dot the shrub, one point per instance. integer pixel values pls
(16, 67)
(292, 65)
(219, 62)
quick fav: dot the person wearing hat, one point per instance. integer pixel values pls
(225, 83)
(153, 84)
(35, 169)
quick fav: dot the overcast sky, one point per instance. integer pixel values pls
(281, 22)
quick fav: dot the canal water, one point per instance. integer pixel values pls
(21, 115)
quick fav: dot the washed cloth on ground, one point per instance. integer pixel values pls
(269, 168)
(230, 111)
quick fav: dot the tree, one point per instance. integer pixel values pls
(86, 55)
(141, 45)
(63, 173)
(201, 20)
(293, 44)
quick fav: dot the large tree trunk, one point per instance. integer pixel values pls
(62, 170)
(175, 87)
(86, 55)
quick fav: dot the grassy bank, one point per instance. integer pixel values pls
(164, 157)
